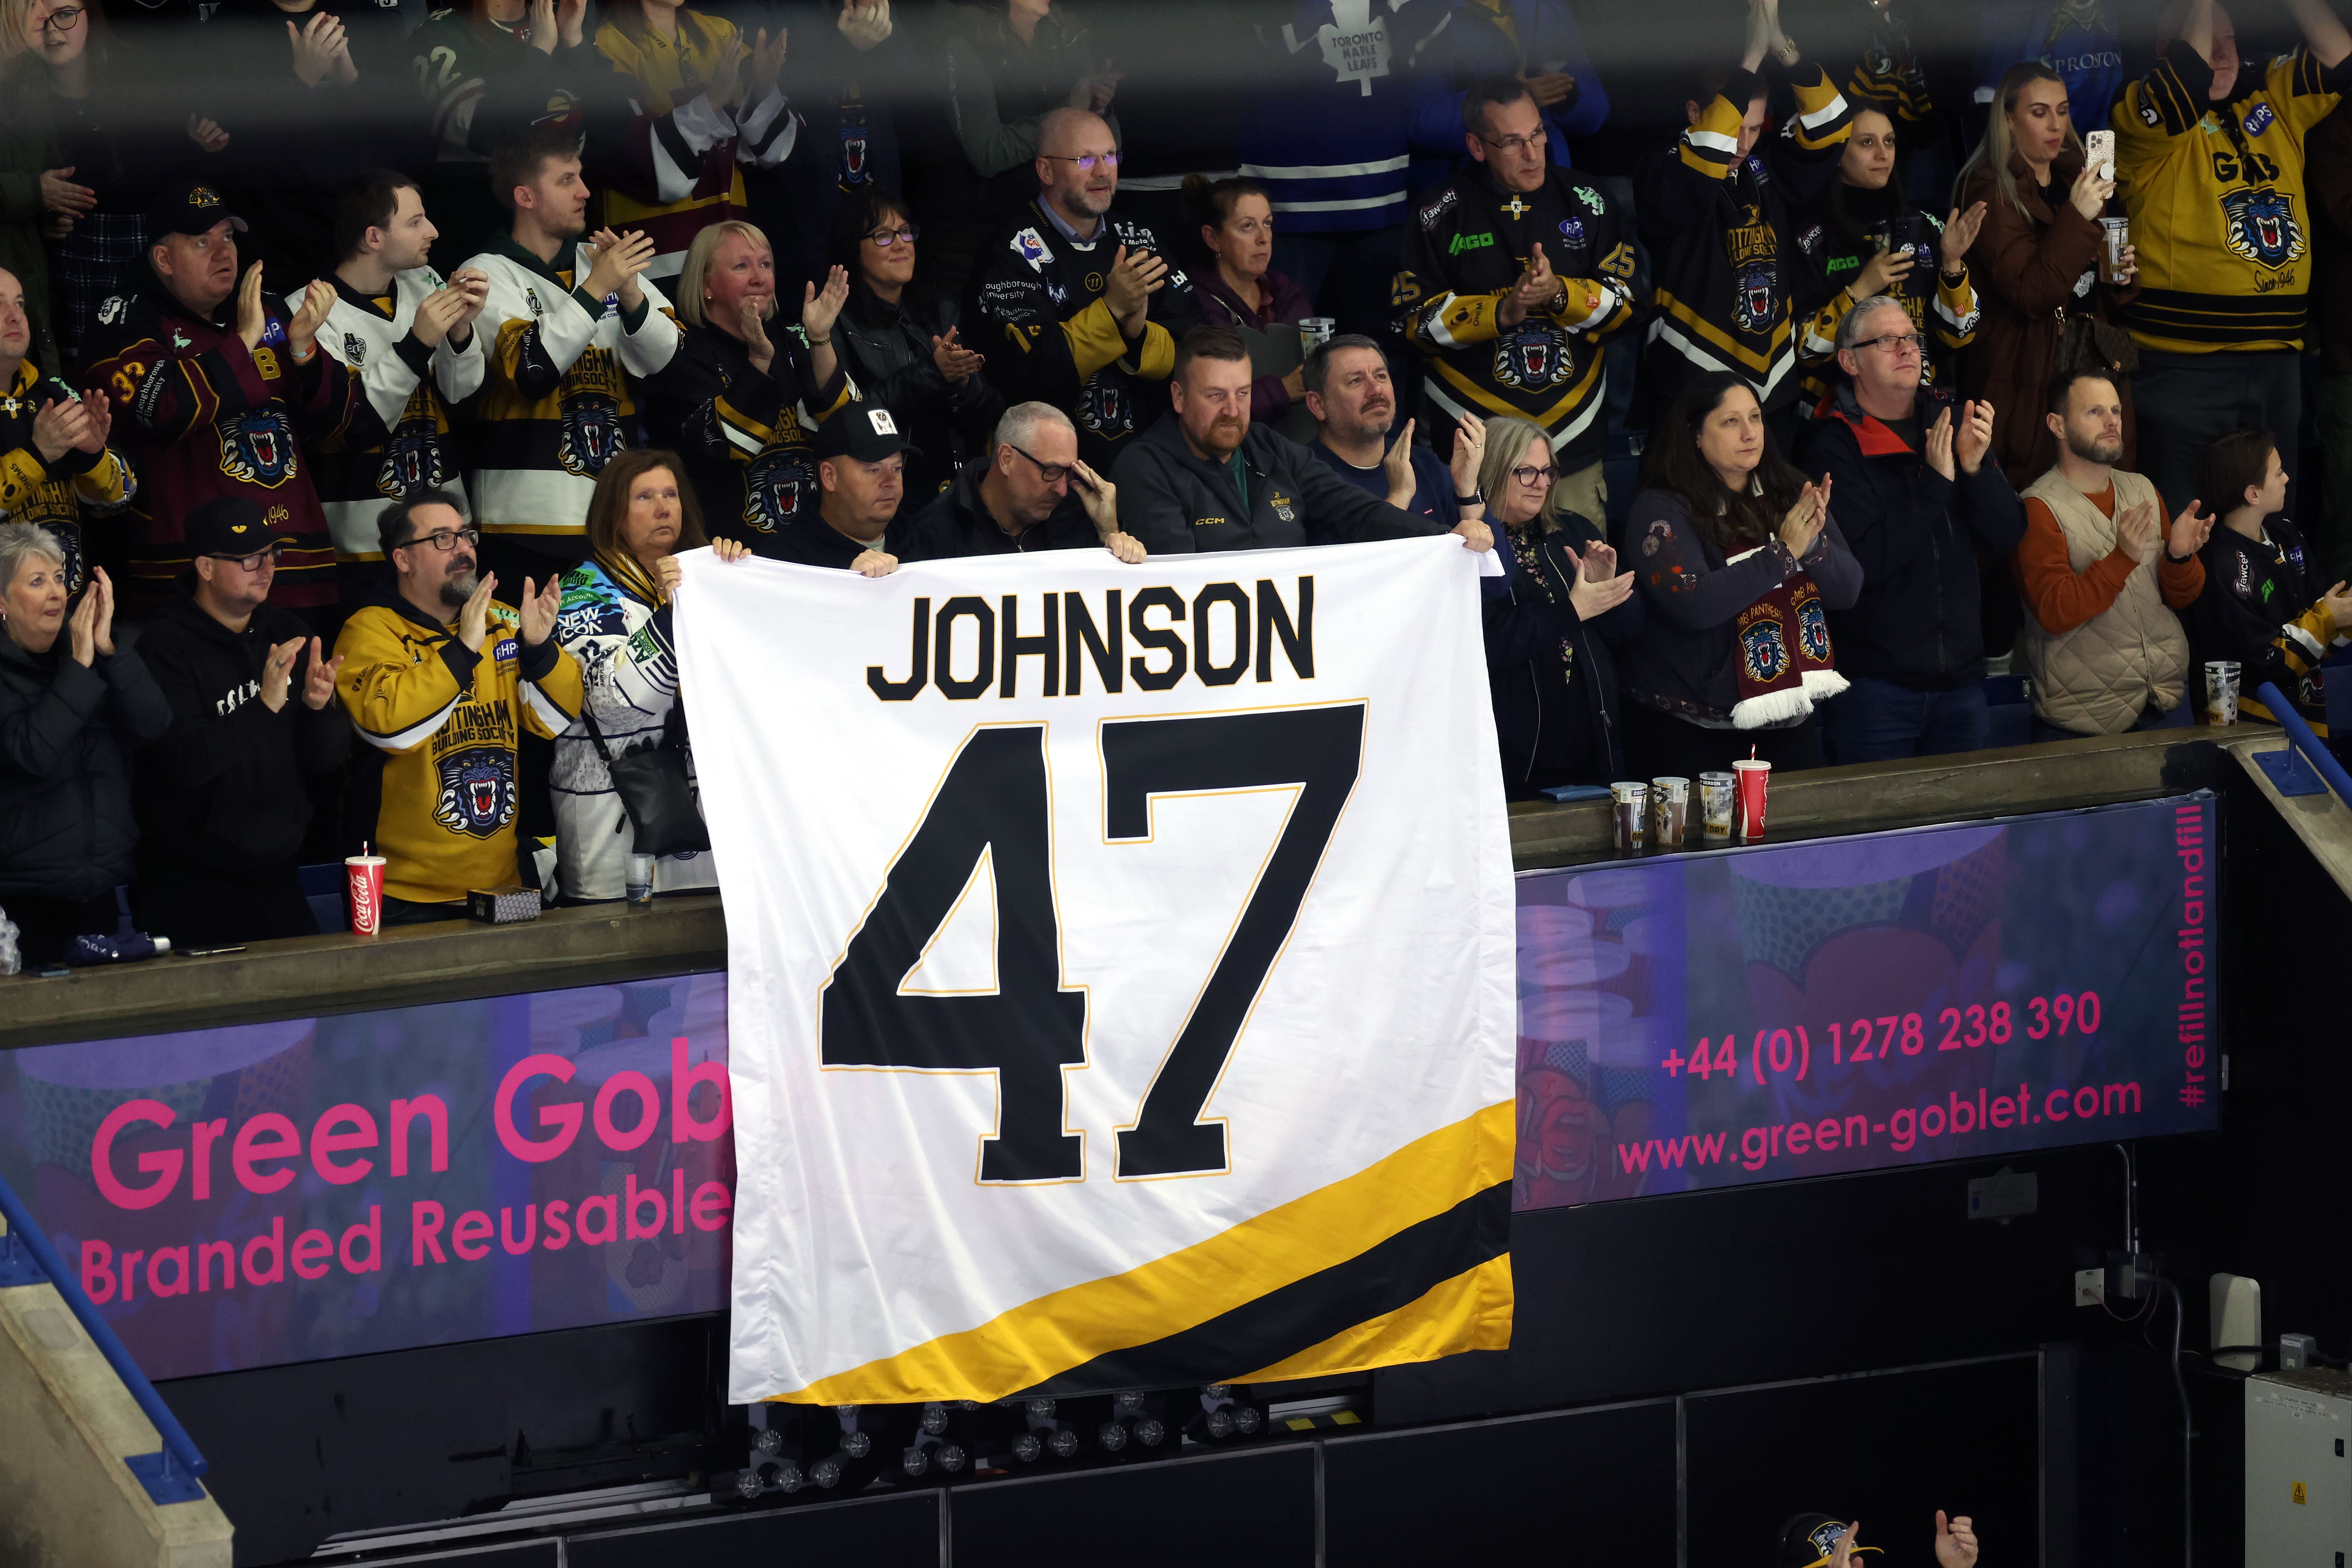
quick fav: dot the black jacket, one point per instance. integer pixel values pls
(958, 523)
(813, 542)
(1918, 535)
(1547, 669)
(886, 349)
(65, 737)
(225, 793)
(1178, 504)
(748, 456)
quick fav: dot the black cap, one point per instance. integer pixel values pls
(865, 431)
(232, 526)
(192, 207)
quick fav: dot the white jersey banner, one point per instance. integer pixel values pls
(1120, 967)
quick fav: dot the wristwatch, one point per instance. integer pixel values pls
(1476, 498)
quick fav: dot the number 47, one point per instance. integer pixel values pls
(994, 799)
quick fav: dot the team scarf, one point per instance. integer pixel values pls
(629, 575)
(1785, 662)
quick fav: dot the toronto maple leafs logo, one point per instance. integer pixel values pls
(1355, 43)
(478, 795)
(257, 448)
(2261, 227)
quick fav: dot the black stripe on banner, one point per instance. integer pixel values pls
(1281, 1324)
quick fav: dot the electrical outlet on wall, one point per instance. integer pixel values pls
(2090, 1286)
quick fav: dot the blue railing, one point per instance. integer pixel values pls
(2299, 737)
(28, 1258)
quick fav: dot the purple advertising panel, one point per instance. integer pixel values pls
(365, 1182)
(1749, 1014)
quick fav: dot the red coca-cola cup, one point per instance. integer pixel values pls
(1753, 778)
(364, 886)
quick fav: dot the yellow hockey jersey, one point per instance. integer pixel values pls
(2219, 215)
(439, 800)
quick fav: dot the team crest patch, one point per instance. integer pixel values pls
(355, 350)
(1282, 507)
(591, 434)
(1812, 626)
(257, 448)
(111, 308)
(1103, 407)
(2259, 119)
(1763, 650)
(1755, 296)
(2260, 226)
(1031, 249)
(478, 796)
(530, 298)
(1533, 357)
(776, 486)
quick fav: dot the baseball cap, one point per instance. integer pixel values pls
(234, 526)
(1810, 1541)
(865, 431)
(189, 207)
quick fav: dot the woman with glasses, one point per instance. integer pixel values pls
(616, 624)
(1551, 622)
(731, 402)
(1238, 287)
(1723, 539)
(1873, 239)
(903, 346)
(1004, 64)
(73, 707)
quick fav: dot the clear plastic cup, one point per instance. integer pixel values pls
(2221, 676)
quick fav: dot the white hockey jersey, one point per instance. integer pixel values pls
(401, 436)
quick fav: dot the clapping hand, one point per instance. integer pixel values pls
(1599, 588)
(727, 74)
(302, 332)
(956, 362)
(252, 320)
(1535, 290)
(765, 64)
(1811, 514)
(1939, 444)
(475, 285)
(473, 616)
(1550, 89)
(1973, 439)
(60, 194)
(540, 608)
(1396, 466)
(277, 673)
(1135, 277)
(62, 427)
(1956, 1541)
(864, 25)
(320, 50)
(2337, 603)
(206, 133)
(619, 259)
(2189, 532)
(820, 309)
(2138, 534)
(438, 315)
(319, 687)
(1843, 1557)
(1469, 453)
(1959, 233)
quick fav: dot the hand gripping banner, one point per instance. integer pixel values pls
(1120, 967)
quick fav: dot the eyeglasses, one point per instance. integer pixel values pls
(1534, 476)
(886, 238)
(1516, 144)
(61, 20)
(1051, 473)
(254, 562)
(444, 542)
(1085, 161)
(1893, 344)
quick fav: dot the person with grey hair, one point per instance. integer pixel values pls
(1031, 492)
(73, 708)
(1917, 502)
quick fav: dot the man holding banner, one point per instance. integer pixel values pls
(1143, 866)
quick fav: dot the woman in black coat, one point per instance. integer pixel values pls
(901, 346)
(72, 711)
(1550, 623)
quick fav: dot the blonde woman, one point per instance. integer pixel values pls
(740, 402)
(2039, 281)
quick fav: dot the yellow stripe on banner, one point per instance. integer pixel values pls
(1471, 1312)
(1025, 1346)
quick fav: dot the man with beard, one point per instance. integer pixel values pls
(1917, 502)
(577, 327)
(408, 336)
(223, 800)
(1211, 479)
(440, 680)
(225, 388)
(2102, 640)
(1079, 308)
(1354, 404)
(1031, 493)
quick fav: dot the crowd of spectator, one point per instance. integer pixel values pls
(381, 364)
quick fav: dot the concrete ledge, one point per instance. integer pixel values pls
(67, 1500)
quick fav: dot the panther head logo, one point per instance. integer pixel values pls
(257, 448)
(478, 794)
(1103, 407)
(591, 434)
(1753, 297)
(776, 486)
(1533, 357)
(412, 460)
(2262, 228)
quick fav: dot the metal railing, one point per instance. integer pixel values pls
(2313, 749)
(170, 1475)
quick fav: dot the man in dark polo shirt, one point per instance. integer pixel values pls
(862, 473)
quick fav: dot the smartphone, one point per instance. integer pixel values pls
(1903, 232)
(207, 952)
(2099, 153)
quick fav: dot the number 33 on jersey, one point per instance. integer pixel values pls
(1120, 968)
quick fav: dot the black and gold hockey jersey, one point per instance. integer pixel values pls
(401, 439)
(60, 495)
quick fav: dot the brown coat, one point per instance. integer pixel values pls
(2026, 268)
